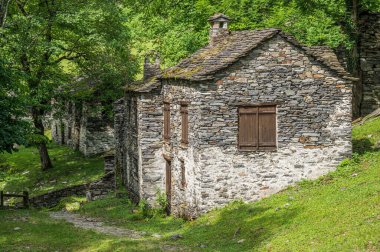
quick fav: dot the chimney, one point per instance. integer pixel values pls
(151, 65)
(219, 28)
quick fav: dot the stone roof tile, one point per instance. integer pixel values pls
(204, 63)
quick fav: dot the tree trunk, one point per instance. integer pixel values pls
(44, 155)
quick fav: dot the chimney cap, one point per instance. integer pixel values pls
(219, 17)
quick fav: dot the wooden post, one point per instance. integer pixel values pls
(1, 198)
(26, 199)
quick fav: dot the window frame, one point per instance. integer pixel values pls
(258, 148)
(184, 111)
(166, 124)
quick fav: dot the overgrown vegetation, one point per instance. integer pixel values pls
(21, 170)
(53, 42)
(178, 28)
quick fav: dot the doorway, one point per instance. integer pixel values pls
(168, 184)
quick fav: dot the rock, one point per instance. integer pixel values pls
(156, 235)
(176, 236)
(237, 232)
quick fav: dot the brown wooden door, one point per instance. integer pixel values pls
(168, 184)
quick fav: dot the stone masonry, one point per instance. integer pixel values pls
(84, 128)
(310, 88)
(370, 61)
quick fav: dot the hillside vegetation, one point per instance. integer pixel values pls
(337, 212)
(21, 170)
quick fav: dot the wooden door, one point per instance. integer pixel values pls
(168, 184)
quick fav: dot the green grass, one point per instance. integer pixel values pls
(31, 230)
(337, 212)
(21, 170)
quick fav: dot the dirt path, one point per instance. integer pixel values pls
(98, 226)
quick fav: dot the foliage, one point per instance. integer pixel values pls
(145, 209)
(13, 127)
(162, 202)
(70, 204)
(49, 43)
(178, 28)
(20, 171)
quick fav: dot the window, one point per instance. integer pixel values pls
(183, 174)
(257, 127)
(166, 121)
(185, 123)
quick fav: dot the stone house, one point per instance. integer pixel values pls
(242, 118)
(83, 127)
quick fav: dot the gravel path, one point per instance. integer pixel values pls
(93, 224)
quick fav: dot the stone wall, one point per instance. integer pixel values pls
(95, 189)
(313, 130)
(370, 61)
(83, 127)
(127, 147)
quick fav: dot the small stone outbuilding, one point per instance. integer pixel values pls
(369, 51)
(242, 118)
(82, 126)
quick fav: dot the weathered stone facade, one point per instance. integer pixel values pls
(84, 128)
(313, 103)
(370, 61)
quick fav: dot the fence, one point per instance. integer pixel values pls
(24, 196)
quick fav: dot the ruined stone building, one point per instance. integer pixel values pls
(370, 61)
(83, 127)
(242, 118)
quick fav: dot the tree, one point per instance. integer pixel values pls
(13, 128)
(4, 4)
(50, 42)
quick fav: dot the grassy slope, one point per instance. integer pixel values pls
(31, 230)
(338, 212)
(21, 170)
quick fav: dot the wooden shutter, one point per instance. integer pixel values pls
(248, 118)
(166, 121)
(267, 127)
(185, 124)
(257, 128)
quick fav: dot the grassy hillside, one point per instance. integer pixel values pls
(337, 212)
(21, 170)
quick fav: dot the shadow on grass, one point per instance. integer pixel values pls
(240, 228)
(363, 145)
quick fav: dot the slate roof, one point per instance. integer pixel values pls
(144, 86)
(217, 16)
(204, 63)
